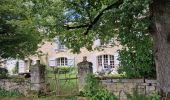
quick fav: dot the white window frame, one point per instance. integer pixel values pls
(63, 47)
(109, 43)
(62, 61)
(105, 60)
(60, 47)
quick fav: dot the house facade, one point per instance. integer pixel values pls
(59, 55)
(55, 55)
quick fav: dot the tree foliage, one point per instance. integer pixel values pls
(93, 90)
(19, 33)
(77, 23)
(137, 53)
(81, 21)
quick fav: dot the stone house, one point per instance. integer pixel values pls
(59, 55)
(55, 54)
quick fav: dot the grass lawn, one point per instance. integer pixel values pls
(50, 73)
(41, 98)
(62, 84)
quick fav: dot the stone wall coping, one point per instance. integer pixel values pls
(150, 81)
(128, 81)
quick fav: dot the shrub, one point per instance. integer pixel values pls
(155, 96)
(103, 94)
(94, 91)
(3, 73)
(92, 85)
(18, 78)
(63, 69)
(137, 64)
(136, 95)
(5, 93)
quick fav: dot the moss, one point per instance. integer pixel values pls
(18, 79)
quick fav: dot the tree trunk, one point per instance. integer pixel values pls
(161, 18)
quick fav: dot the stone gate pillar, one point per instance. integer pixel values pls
(84, 68)
(37, 76)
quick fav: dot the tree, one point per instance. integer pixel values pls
(83, 20)
(145, 21)
(161, 34)
(19, 33)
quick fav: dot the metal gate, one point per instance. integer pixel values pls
(63, 81)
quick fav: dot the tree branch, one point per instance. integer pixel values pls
(100, 13)
(89, 25)
(72, 26)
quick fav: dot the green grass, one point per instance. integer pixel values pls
(61, 84)
(5, 93)
(58, 98)
(51, 74)
(61, 87)
(41, 98)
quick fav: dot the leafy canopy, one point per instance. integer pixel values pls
(80, 21)
(19, 33)
(77, 23)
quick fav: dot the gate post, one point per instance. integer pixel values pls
(84, 68)
(37, 76)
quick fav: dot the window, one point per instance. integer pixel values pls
(62, 61)
(109, 42)
(63, 47)
(97, 41)
(58, 46)
(106, 61)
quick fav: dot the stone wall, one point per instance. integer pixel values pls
(121, 86)
(10, 85)
(37, 76)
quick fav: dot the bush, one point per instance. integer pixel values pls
(17, 78)
(3, 73)
(63, 69)
(136, 95)
(92, 85)
(5, 93)
(155, 96)
(137, 64)
(94, 91)
(103, 94)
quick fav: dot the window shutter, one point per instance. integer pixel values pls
(94, 61)
(97, 42)
(10, 65)
(63, 47)
(56, 44)
(70, 61)
(116, 61)
(110, 42)
(52, 62)
(21, 66)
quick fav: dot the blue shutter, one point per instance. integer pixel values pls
(21, 66)
(52, 62)
(10, 65)
(94, 61)
(116, 61)
(97, 43)
(56, 44)
(70, 61)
